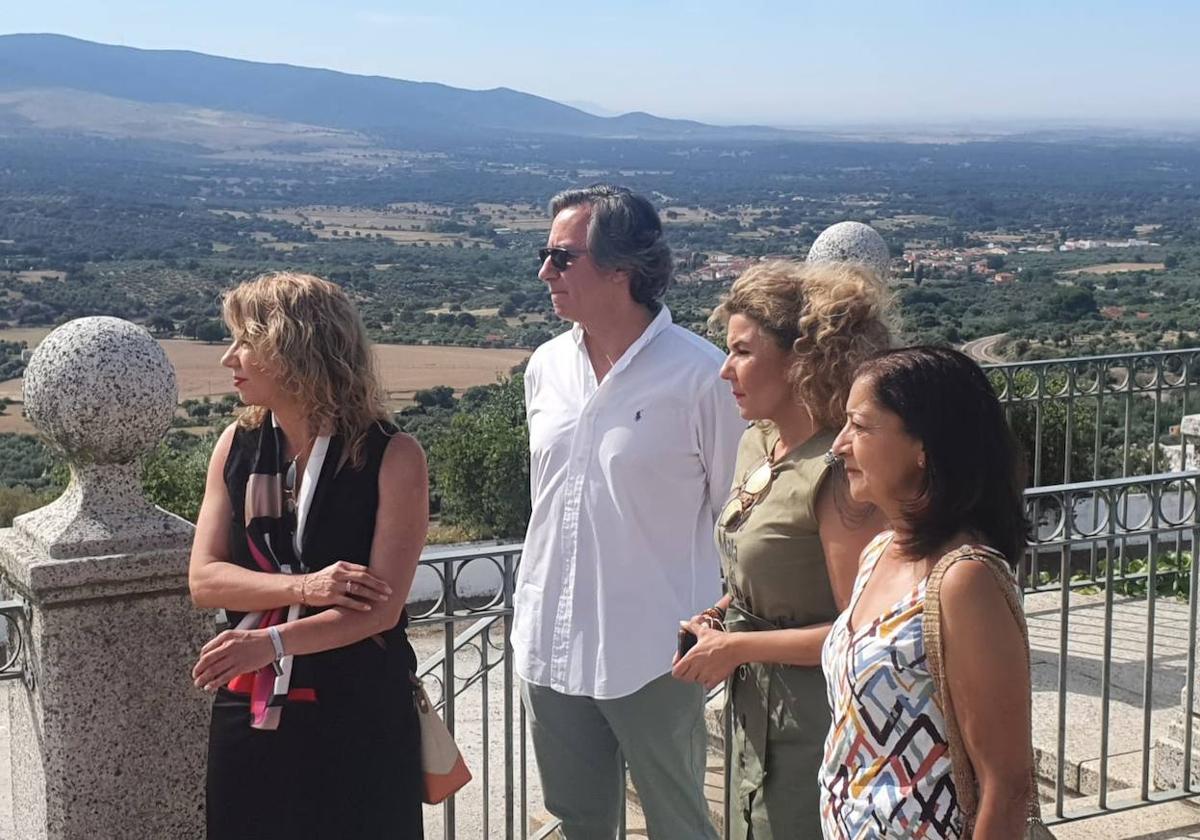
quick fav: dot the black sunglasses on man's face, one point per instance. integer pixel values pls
(560, 258)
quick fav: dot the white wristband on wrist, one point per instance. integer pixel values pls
(276, 642)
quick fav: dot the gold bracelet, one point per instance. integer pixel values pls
(303, 581)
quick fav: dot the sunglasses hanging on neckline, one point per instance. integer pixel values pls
(289, 486)
(749, 493)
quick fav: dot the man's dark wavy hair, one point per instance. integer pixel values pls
(974, 472)
(626, 234)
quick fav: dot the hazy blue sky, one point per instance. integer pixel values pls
(783, 63)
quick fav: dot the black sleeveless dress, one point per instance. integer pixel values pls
(346, 765)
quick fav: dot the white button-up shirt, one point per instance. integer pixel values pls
(627, 478)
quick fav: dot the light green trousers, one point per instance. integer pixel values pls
(658, 731)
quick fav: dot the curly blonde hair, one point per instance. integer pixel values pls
(831, 316)
(310, 334)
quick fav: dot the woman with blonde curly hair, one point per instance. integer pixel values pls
(796, 333)
(314, 515)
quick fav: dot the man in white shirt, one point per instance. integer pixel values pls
(632, 440)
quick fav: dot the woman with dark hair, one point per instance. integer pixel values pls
(313, 519)
(926, 442)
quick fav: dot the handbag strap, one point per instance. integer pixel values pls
(960, 763)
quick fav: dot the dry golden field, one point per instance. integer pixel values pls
(30, 335)
(403, 237)
(12, 421)
(36, 276)
(993, 236)
(515, 216)
(403, 368)
(1117, 268)
(486, 312)
(407, 222)
(403, 223)
(687, 214)
(420, 208)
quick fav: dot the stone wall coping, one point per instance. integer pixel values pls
(48, 582)
(1189, 426)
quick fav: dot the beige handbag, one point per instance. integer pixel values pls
(960, 763)
(444, 768)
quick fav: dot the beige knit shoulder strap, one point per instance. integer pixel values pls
(960, 763)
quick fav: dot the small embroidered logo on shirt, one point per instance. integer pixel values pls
(637, 416)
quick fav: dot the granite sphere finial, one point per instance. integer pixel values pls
(853, 242)
(101, 390)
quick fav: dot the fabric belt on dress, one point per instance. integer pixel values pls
(758, 694)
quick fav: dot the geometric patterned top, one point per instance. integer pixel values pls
(886, 770)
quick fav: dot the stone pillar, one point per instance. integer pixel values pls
(1168, 749)
(108, 736)
(1189, 439)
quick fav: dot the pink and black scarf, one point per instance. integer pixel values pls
(274, 527)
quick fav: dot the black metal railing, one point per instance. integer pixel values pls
(1096, 417)
(474, 612)
(1123, 538)
(1107, 521)
(14, 619)
(1132, 541)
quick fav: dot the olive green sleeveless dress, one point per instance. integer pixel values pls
(775, 571)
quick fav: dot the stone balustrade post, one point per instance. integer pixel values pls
(1189, 438)
(853, 242)
(107, 733)
(1169, 749)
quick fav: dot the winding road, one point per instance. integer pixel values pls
(983, 350)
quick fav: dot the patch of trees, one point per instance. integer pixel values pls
(25, 462)
(12, 361)
(130, 224)
(481, 463)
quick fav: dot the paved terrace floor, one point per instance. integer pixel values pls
(1083, 714)
(1084, 657)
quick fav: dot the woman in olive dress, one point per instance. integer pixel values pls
(795, 334)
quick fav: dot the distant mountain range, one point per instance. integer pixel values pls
(57, 83)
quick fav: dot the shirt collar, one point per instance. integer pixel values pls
(660, 322)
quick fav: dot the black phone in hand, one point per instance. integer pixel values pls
(687, 641)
